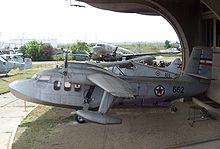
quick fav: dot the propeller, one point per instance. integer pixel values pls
(114, 52)
(65, 52)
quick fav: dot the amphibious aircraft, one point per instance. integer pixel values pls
(91, 89)
(13, 61)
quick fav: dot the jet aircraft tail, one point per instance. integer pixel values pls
(20, 60)
(200, 63)
(28, 63)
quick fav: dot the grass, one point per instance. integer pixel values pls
(150, 47)
(146, 47)
(36, 127)
(17, 74)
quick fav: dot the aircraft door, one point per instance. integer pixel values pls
(142, 90)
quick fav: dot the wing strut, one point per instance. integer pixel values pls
(101, 117)
(106, 102)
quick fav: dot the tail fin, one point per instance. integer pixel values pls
(28, 63)
(20, 60)
(200, 63)
(175, 66)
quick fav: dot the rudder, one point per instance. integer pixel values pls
(200, 62)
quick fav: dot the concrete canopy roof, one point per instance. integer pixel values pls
(127, 7)
(133, 6)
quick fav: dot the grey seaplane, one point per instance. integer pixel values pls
(93, 88)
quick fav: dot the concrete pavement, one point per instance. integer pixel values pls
(12, 112)
(141, 128)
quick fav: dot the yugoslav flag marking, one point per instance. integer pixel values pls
(205, 61)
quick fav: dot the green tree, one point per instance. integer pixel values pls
(37, 51)
(48, 51)
(22, 49)
(80, 46)
(167, 44)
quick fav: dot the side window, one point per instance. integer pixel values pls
(57, 85)
(67, 86)
(77, 87)
(34, 76)
(44, 78)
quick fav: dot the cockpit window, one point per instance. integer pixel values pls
(67, 86)
(57, 85)
(35, 76)
(101, 45)
(77, 87)
(44, 78)
(41, 77)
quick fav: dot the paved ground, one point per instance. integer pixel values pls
(12, 112)
(142, 128)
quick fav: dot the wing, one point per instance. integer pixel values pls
(12, 55)
(113, 85)
(146, 58)
(126, 63)
(85, 55)
(130, 56)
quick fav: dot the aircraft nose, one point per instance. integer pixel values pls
(95, 49)
(21, 89)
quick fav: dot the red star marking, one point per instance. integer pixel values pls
(159, 90)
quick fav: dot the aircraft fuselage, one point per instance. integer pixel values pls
(74, 89)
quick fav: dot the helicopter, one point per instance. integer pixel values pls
(92, 89)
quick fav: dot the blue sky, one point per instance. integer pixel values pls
(44, 19)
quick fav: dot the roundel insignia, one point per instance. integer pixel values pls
(159, 90)
(157, 73)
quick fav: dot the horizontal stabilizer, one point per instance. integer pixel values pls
(98, 117)
(198, 76)
(207, 103)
